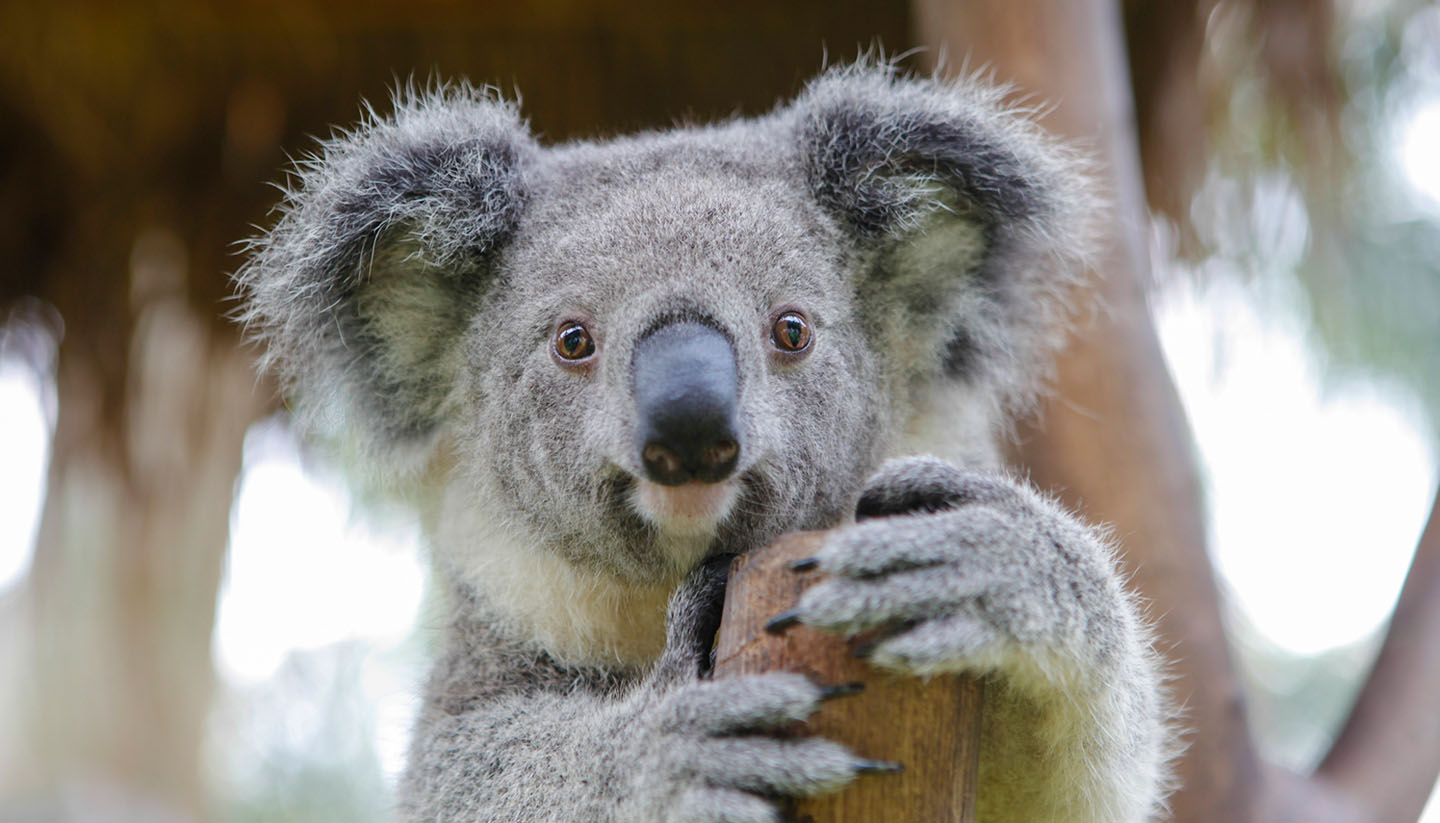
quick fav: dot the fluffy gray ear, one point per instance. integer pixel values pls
(362, 290)
(970, 224)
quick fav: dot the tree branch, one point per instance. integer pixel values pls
(1388, 753)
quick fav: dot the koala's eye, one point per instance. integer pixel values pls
(573, 342)
(790, 332)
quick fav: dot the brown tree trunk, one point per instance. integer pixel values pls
(1112, 440)
(1388, 752)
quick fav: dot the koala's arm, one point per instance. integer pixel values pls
(515, 755)
(507, 735)
(974, 572)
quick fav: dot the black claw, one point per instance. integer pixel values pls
(780, 622)
(805, 564)
(864, 766)
(841, 690)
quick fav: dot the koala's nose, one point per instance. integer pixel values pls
(686, 385)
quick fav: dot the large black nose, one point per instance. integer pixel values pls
(685, 396)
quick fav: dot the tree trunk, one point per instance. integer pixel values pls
(1112, 440)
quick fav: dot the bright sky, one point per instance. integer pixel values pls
(303, 574)
(1316, 500)
(1420, 151)
(1420, 161)
(25, 445)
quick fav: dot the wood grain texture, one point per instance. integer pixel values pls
(931, 727)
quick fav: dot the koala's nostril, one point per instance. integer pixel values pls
(707, 464)
(717, 461)
(663, 465)
(721, 453)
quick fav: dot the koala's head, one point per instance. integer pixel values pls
(639, 351)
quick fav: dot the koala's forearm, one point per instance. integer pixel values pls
(498, 735)
(1108, 741)
(1098, 692)
(1094, 683)
(515, 759)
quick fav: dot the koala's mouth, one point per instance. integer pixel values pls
(692, 509)
(680, 528)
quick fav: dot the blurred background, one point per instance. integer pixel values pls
(197, 621)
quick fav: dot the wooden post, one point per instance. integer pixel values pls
(931, 727)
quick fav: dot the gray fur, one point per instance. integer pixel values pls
(408, 294)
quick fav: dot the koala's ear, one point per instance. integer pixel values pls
(970, 222)
(361, 292)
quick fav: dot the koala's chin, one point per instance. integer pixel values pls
(691, 511)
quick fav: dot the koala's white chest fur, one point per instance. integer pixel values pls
(580, 616)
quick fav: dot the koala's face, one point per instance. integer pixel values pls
(671, 360)
(628, 354)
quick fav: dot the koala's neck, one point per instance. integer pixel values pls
(580, 616)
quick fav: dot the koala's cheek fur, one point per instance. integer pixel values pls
(821, 451)
(542, 444)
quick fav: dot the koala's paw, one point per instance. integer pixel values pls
(712, 754)
(962, 571)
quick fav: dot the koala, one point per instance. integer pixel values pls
(599, 369)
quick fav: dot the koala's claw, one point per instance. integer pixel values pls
(914, 485)
(782, 621)
(785, 768)
(737, 705)
(883, 546)
(841, 690)
(804, 564)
